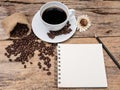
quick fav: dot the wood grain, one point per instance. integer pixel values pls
(105, 17)
(13, 76)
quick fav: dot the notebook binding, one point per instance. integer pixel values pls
(58, 64)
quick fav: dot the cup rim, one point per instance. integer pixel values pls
(59, 3)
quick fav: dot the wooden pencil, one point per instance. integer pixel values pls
(108, 52)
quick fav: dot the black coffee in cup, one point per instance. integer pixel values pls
(54, 15)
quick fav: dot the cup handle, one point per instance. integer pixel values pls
(71, 13)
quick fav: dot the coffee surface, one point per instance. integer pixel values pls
(54, 15)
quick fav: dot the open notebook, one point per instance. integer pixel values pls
(81, 65)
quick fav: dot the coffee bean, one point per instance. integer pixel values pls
(19, 30)
(39, 64)
(44, 68)
(26, 60)
(25, 66)
(64, 30)
(10, 60)
(40, 67)
(23, 62)
(24, 50)
(6, 54)
(49, 65)
(48, 73)
(48, 59)
(45, 63)
(31, 63)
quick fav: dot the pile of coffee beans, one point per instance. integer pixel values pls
(64, 30)
(24, 48)
(19, 30)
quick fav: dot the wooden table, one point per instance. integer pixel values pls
(105, 17)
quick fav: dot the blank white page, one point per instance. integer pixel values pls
(81, 65)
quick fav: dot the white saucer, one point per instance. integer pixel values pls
(40, 30)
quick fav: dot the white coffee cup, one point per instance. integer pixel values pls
(56, 27)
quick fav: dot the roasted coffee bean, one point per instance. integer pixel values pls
(31, 63)
(64, 30)
(45, 52)
(41, 57)
(45, 63)
(26, 60)
(40, 54)
(25, 66)
(39, 64)
(47, 69)
(44, 58)
(6, 54)
(19, 31)
(24, 50)
(48, 59)
(31, 55)
(10, 60)
(48, 73)
(44, 68)
(49, 65)
(23, 62)
(50, 35)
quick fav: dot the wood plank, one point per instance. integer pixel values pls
(3, 14)
(44, 1)
(105, 22)
(113, 44)
(13, 76)
(103, 14)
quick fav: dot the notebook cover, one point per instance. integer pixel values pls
(81, 65)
